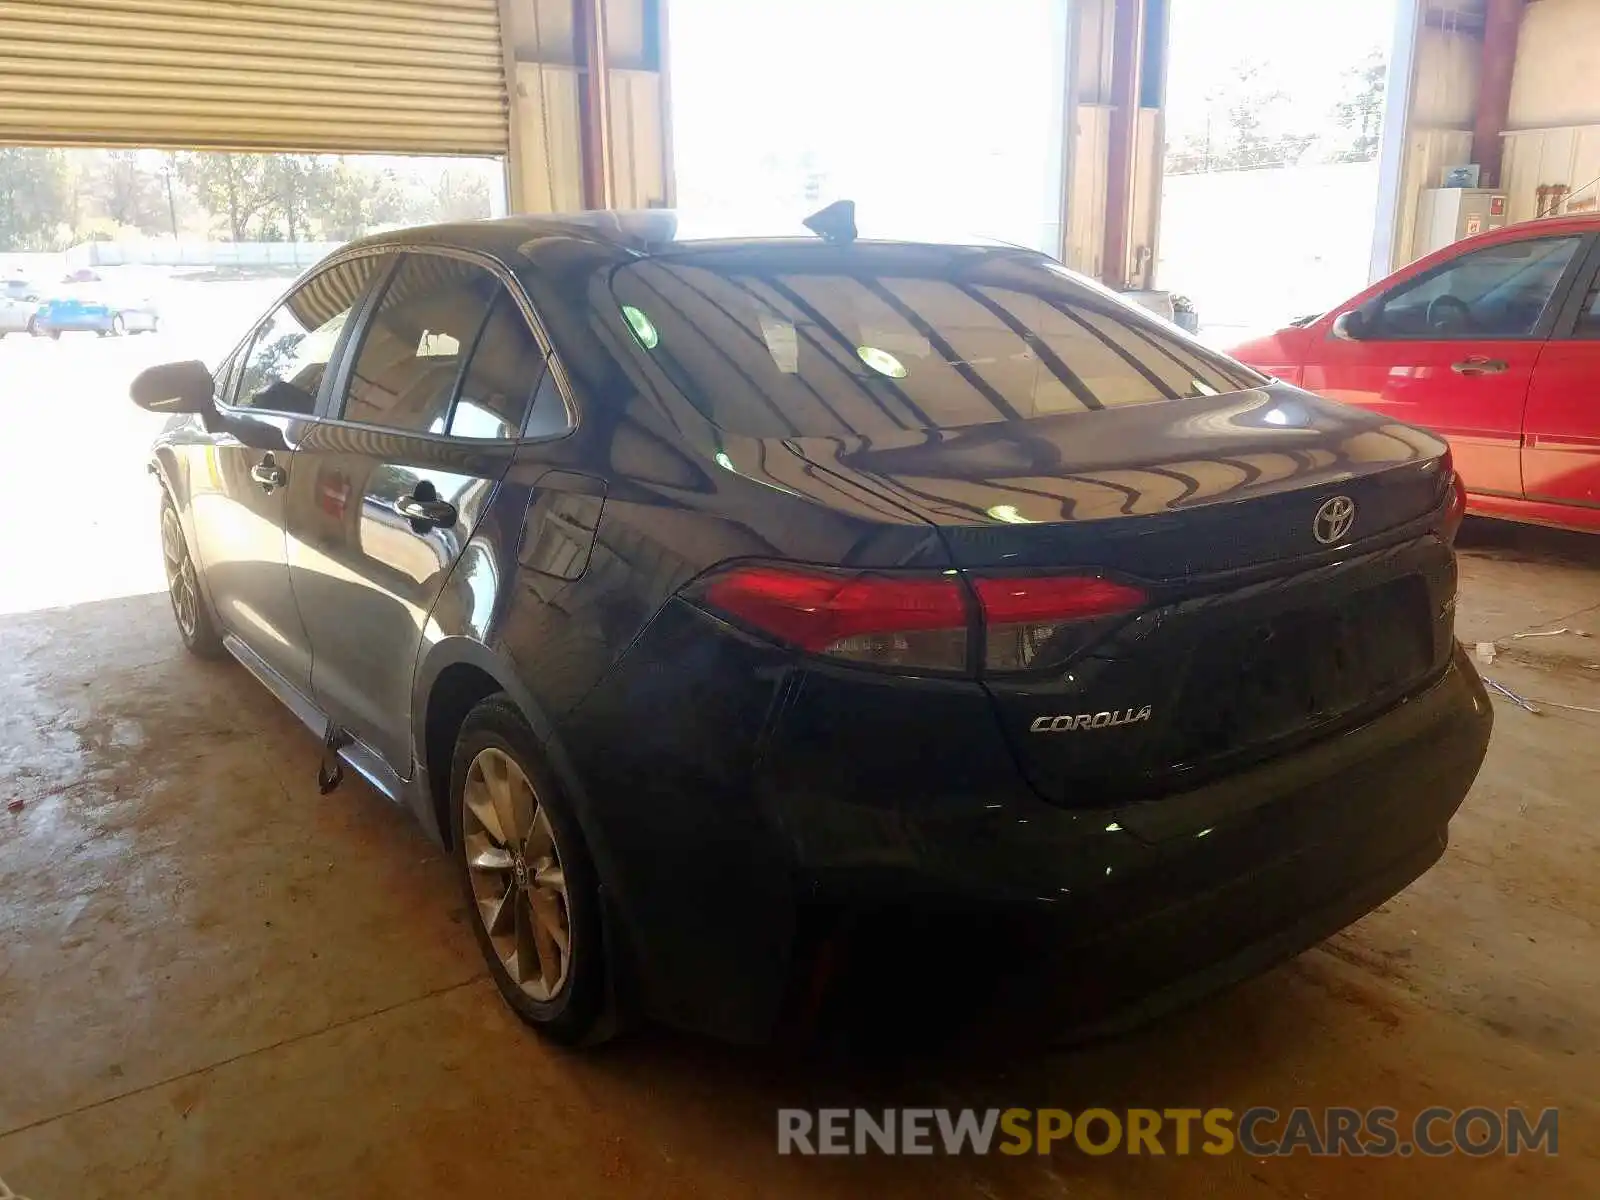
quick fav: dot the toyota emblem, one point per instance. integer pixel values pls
(1333, 519)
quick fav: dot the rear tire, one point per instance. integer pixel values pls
(197, 624)
(33, 327)
(527, 876)
(118, 325)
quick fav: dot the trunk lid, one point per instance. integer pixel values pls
(1162, 491)
(1260, 634)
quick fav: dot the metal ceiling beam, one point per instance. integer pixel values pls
(1502, 24)
(1127, 54)
(594, 117)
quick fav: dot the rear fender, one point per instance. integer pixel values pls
(432, 662)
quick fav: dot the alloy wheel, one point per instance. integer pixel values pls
(181, 584)
(517, 880)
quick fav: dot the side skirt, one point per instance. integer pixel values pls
(357, 754)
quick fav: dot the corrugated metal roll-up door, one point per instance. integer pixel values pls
(394, 76)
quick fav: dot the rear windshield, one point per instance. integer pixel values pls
(864, 340)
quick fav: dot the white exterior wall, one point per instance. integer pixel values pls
(1557, 79)
(1553, 127)
(1436, 132)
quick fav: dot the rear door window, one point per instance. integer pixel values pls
(895, 343)
(413, 347)
(505, 367)
(447, 352)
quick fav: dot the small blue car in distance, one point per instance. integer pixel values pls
(81, 311)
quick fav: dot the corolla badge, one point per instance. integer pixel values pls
(1077, 722)
(1333, 519)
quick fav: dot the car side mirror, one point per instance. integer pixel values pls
(1352, 326)
(180, 387)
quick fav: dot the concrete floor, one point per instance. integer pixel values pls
(216, 982)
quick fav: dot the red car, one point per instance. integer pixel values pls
(1493, 342)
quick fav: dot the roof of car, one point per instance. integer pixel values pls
(1572, 223)
(639, 231)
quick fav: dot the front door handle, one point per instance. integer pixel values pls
(269, 474)
(426, 511)
(1479, 365)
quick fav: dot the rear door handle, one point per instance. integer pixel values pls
(269, 474)
(426, 512)
(1479, 365)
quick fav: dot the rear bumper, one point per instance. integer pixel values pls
(1101, 919)
(746, 824)
(1370, 794)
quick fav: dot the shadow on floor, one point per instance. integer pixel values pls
(1508, 541)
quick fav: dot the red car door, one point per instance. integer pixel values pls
(1561, 451)
(1452, 346)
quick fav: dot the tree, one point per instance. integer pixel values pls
(237, 185)
(460, 196)
(451, 195)
(359, 201)
(302, 187)
(34, 197)
(1251, 102)
(1361, 111)
(128, 194)
(1241, 128)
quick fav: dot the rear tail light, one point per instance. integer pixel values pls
(1029, 621)
(917, 621)
(1456, 506)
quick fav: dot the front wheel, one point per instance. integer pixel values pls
(527, 875)
(118, 326)
(196, 626)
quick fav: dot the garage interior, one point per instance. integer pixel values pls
(214, 980)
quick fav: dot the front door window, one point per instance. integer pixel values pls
(1500, 291)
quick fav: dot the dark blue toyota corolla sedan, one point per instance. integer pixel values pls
(727, 607)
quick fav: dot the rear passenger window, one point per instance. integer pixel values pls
(413, 348)
(549, 417)
(446, 352)
(505, 367)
